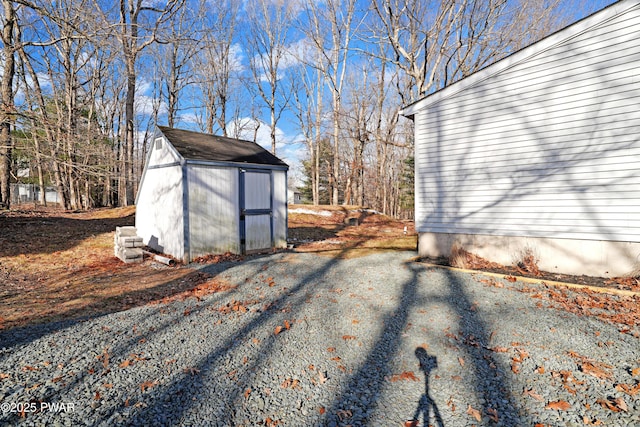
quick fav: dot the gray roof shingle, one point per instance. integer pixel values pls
(201, 146)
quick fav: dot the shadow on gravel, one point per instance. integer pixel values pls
(224, 412)
(363, 391)
(490, 384)
(426, 405)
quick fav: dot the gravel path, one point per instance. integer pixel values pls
(302, 340)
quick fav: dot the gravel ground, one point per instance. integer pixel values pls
(308, 340)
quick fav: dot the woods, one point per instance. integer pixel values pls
(84, 82)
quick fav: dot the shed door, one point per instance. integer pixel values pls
(256, 209)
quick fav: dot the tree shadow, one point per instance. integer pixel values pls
(426, 405)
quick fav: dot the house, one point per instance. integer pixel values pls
(204, 194)
(539, 153)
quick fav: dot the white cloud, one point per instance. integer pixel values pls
(287, 146)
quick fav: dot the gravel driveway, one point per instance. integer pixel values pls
(302, 339)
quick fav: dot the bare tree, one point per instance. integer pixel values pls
(331, 28)
(7, 107)
(135, 28)
(266, 38)
(217, 63)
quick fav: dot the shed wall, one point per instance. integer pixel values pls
(159, 210)
(547, 148)
(280, 209)
(214, 214)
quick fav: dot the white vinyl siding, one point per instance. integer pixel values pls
(159, 210)
(547, 147)
(280, 209)
(214, 213)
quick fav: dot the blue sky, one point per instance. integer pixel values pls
(290, 148)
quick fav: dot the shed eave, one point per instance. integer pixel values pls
(213, 163)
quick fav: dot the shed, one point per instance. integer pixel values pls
(539, 153)
(204, 194)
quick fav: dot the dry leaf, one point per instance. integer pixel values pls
(322, 410)
(560, 405)
(287, 325)
(277, 330)
(348, 337)
(411, 423)
(461, 361)
(4, 376)
(331, 349)
(147, 385)
(510, 278)
(534, 395)
(595, 370)
(125, 363)
(493, 414)
(615, 405)
(247, 392)
(635, 372)
(474, 413)
(406, 375)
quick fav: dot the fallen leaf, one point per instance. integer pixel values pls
(4, 376)
(411, 423)
(595, 370)
(540, 370)
(247, 392)
(287, 325)
(331, 349)
(406, 375)
(147, 385)
(560, 405)
(322, 410)
(461, 361)
(277, 330)
(510, 279)
(533, 394)
(493, 414)
(348, 337)
(96, 396)
(474, 413)
(124, 363)
(635, 372)
(613, 404)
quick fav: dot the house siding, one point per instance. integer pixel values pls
(547, 147)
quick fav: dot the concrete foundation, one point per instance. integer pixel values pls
(563, 256)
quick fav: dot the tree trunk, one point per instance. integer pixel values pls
(7, 107)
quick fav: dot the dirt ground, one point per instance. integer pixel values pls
(57, 265)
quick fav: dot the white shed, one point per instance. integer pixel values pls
(539, 152)
(203, 194)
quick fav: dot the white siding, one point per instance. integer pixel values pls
(214, 215)
(161, 153)
(548, 147)
(280, 209)
(159, 210)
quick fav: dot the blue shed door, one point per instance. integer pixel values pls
(256, 208)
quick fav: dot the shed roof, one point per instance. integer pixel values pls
(201, 146)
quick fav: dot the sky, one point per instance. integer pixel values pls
(289, 148)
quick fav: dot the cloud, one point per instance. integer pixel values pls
(288, 147)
